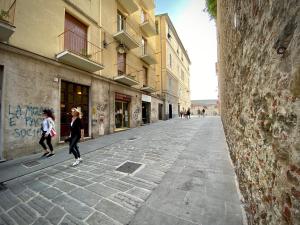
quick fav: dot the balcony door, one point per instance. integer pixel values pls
(121, 63)
(145, 76)
(144, 46)
(144, 16)
(121, 22)
(75, 35)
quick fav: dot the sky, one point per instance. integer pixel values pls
(198, 35)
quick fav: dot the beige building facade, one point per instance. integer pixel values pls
(172, 68)
(211, 107)
(97, 55)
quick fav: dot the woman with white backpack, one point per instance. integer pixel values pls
(48, 131)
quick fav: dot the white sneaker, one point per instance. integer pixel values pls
(80, 159)
(76, 162)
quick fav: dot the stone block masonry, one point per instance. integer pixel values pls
(259, 81)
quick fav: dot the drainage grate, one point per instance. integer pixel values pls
(2, 187)
(31, 164)
(128, 167)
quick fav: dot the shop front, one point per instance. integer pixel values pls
(122, 111)
(73, 95)
(146, 109)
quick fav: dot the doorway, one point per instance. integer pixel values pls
(170, 111)
(1, 86)
(160, 111)
(146, 106)
(73, 95)
(121, 114)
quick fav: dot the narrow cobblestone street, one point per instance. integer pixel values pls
(186, 178)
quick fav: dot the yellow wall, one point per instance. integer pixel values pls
(169, 46)
(38, 32)
(39, 23)
(134, 63)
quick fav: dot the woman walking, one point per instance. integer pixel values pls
(46, 127)
(75, 135)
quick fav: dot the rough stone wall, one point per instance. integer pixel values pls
(260, 103)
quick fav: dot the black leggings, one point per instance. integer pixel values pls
(74, 147)
(48, 140)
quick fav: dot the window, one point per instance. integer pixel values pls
(169, 33)
(75, 38)
(144, 16)
(144, 46)
(182, 75)
(170, 83)
(156, 27)
(120, 21)
(121, 63)
(145, 76)
(170, 61)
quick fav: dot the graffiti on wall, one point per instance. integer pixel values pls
(98, 114)
(25, 121)
(136, 113)
(154, 113)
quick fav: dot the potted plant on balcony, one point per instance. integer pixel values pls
(84, 53)
(4, 15)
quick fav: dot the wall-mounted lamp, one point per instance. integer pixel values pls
(121, 49)
(281, 50)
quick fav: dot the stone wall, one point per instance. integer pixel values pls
(259, 81)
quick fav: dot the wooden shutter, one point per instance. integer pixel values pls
(121, 63)
(75, 35)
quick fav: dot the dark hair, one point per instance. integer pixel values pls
(49, 113)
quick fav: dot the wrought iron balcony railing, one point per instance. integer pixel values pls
(73, 42)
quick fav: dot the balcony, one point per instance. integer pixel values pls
(148, 4)
(148, 55)
(7, 15)
(129, 5)
(148, 89)
(126, 79)
(126, 74)
(76, 51)
(148, 27)
(127, 35)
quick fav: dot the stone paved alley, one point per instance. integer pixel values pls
(186, 178)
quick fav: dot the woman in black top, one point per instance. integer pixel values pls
(75, 135)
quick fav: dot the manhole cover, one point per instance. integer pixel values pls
(2, 187)
(128, 167)
(31, 164)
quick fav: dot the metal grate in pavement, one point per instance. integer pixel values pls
(132, 139)
(31, 164)
(128, 167)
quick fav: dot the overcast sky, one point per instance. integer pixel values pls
(198, 35)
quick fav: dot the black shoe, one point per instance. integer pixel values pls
(46, 153)
(51, 154)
